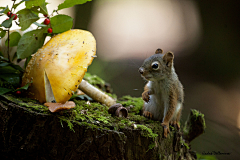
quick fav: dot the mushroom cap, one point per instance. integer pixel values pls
(59, 66)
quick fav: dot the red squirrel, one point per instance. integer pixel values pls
(163, 94)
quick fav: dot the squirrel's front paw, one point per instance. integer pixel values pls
(148, 114)
(145, 96)
(165, 129)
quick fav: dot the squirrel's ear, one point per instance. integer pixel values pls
(168, 58)
(158, 51)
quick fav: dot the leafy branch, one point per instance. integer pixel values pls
(26, 40)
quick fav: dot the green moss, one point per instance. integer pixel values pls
(171, 128)
(30, 104)
(96, 115)
(99, 83)
(184, 143)
(35, 107)
(114, 96)
(147, 132)
(92, 112)
(69, 123)
(134, 117)
(151, 146)
(93, 79)
(137, 103)
(196, 114)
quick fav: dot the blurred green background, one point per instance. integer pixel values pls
(206, 59)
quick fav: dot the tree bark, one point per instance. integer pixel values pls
(27, 134)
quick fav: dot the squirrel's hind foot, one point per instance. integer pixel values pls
(175, 124)
(165, 129)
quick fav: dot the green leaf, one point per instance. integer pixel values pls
(36, 10)
(11, 78)
(40, 25)
(3, 58)
(33, 3)
(2, 33)
(8, 69)
(14, 39)
(14, 56)
(27, 60)
(3, 64)
(10, 75)
(24, 87)
(41, 4)
(5, 10)
(4, 90)
(30, 42)
(71, 3)
(7, 23)
(17, 67)
(26, 18)
(61, 23)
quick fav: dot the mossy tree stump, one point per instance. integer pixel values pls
(30, 131)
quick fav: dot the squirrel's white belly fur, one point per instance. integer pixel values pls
(158, 103)
(155, 107)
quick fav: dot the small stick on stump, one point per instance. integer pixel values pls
(96, 94)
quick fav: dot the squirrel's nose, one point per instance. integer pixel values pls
(141, 70)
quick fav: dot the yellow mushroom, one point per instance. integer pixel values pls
(56, 70)
(58, 67)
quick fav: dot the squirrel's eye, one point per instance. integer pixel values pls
(155, 65)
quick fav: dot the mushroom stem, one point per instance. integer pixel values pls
(96, 94)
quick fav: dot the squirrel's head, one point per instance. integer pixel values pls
(158, 66)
